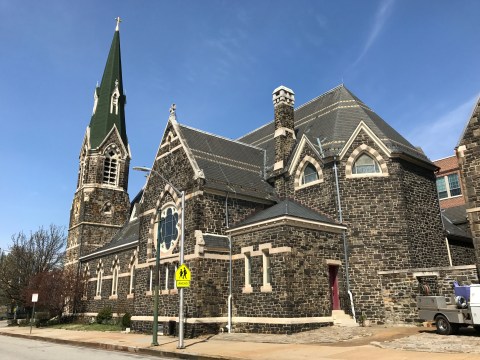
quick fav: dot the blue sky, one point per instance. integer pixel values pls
(414, 62)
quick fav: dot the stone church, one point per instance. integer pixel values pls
(323, 215)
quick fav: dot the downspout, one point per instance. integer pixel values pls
(229, 315)
(345, 244)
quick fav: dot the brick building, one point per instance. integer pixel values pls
(449, 183)
(324, 212)
(453, 209)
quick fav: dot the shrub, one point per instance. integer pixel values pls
(104, 315)
(41, 319)
(126, 320)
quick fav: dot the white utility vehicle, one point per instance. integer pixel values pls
(464, 310)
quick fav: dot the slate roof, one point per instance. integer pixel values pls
(453, 230)
(102, 121)
(283, 208)
(455, 222)
(228, 165)
(457, 214)
(332, 118)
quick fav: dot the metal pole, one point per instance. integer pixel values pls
(180, 306)
(155, 295)
(32, 318)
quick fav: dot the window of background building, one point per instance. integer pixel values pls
(448, 186)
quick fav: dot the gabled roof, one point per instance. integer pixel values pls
(228, 165)
(332, 118)
(103, 120)
(286, 208)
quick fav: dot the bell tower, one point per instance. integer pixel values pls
(101, 203)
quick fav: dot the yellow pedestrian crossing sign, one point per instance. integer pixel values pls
(183, 275)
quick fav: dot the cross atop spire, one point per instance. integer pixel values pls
(118, 23)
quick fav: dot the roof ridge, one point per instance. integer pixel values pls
(301, 106)
(443, 158)
(319, 96)
(262, 126)
(220, 137)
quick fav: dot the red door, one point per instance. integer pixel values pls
(333, 277)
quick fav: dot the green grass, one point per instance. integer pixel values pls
(87, 327)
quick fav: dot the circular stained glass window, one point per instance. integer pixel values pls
(168, 229)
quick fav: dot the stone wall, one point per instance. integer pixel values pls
(122, 302)
(462, 252)
(400, 288)
(299, 284)
(468, 154)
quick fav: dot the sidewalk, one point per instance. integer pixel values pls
(251, 346)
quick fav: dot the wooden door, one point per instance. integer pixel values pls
(333, 277)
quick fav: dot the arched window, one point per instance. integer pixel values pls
(309, 174)
(115, 278)
(132, 280)
(365, 165)
(110, 168)
(167, 229)
(98, 291)
(86, 272)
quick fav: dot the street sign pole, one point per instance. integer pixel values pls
(180, 302)
(34, 300)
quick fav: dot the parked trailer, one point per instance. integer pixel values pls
(449, 318)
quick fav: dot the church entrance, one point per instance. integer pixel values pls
(333, 279)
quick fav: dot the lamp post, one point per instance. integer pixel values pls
(157, 261)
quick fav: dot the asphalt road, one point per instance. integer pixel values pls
(25, 349)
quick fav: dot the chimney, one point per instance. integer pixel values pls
(283, 102)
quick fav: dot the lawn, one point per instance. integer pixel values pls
(87, 327)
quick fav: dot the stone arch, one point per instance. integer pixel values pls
(301, 168)
(365, 149)
(159, 206)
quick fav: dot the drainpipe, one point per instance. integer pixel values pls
(229, 270)
(345, 244)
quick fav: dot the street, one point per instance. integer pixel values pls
(25, 349)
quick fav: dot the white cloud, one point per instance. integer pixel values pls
(439, 136)
(381, 16)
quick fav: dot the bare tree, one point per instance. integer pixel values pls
(42, 251)
(57, 290)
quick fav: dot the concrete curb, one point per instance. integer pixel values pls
(123, 348)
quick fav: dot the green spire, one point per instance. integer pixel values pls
(110, 105)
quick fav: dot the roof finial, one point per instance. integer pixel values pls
(118, 23)
(173, 115)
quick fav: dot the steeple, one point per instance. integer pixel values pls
(109, 107)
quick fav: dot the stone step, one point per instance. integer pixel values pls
(340, 318)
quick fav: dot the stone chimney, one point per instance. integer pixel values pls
(283, 102)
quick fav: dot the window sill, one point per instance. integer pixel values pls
(130, 296)
(173, 291)
(311, 183)
(165, 292)
(113, 297)
(368, 175)
(148, 293)
(98, 297)
(266, 288)
(247, 289)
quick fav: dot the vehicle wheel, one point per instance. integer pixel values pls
(476, 327)
(443, 326)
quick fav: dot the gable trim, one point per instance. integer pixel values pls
(296, 157)
(288, 220)
(362, 126)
